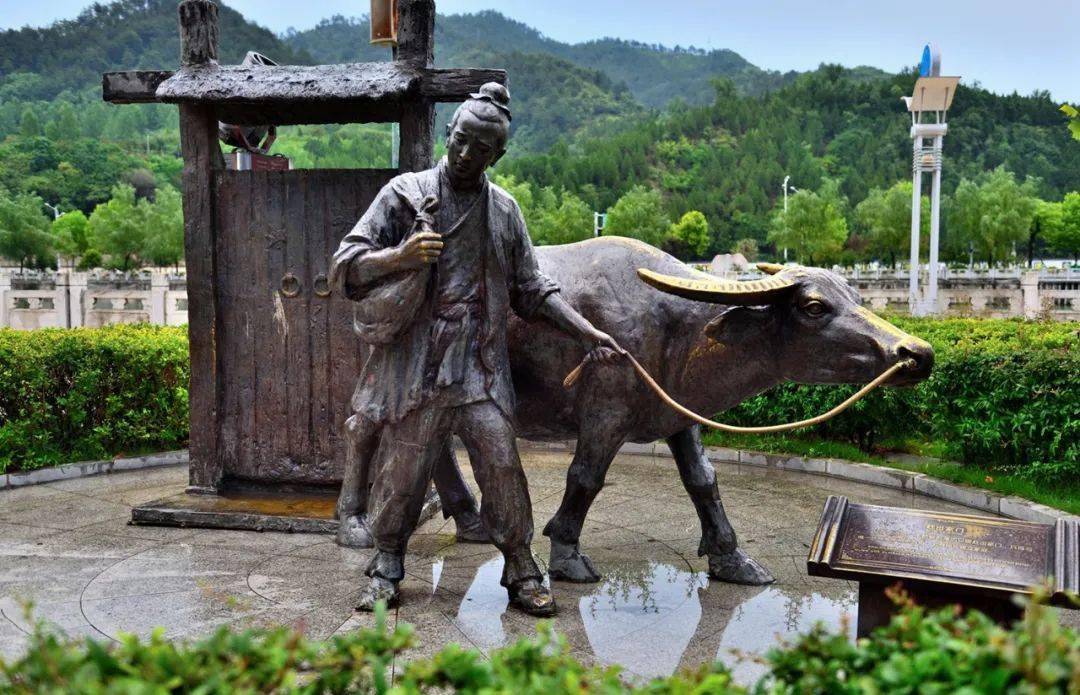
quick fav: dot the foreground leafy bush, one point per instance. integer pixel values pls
(70, 395)
(1003, 393)
(934, 652)
(919, 652)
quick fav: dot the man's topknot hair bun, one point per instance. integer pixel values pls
(497, 95)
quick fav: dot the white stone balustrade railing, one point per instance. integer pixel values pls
(68, 299)
(79, 299)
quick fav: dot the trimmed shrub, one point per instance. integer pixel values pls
(1004, 393)
(918, 652)
(72, 395)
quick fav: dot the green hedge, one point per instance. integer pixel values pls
(1004, 393)
(85, 394)
(919, 652)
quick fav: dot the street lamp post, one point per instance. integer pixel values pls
(933, 95)
(793, 190)
(599, 222)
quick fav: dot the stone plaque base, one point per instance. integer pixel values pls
(876, 609)
(943, 559)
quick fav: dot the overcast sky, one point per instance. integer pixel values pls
(1006, 46)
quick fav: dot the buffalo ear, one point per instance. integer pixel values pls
(739, 323)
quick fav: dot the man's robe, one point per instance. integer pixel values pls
(396, 378)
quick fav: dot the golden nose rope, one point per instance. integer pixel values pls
(573, 376)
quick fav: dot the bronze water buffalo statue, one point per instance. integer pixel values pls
(729, 342)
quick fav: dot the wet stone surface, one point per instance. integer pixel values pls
(67, 547)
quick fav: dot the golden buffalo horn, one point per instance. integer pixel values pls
(717, 291)
(770, 268)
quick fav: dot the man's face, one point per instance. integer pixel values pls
(472, 146)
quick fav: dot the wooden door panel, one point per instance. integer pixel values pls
(287, 365)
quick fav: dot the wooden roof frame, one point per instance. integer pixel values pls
(301, 94)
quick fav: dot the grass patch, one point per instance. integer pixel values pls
(1062, 495)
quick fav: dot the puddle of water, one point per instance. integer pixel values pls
(655, 619)
(480, 614)
(774, 615)
(643, 619)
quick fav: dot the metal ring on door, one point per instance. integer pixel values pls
(322, 286)
(290, 285)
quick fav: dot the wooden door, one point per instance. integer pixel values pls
(287, 360)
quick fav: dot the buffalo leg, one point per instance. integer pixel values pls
(592, 457)
(726, 561)
(361, 441)
(457, 500)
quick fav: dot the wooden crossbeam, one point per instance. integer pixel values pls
(133, 86)
(220, 85)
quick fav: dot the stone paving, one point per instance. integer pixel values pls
(67, 547)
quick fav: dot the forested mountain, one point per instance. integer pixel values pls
(691, 146)
(728, 159)
(70, 55)
(654, 74)
(554, 97)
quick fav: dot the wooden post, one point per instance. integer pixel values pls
(202, 161)
(416, 45)
(198, 32)
(416, 32)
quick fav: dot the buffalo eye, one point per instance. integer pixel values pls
(815, 309)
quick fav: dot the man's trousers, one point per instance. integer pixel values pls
(406, 456)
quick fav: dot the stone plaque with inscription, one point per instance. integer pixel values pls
(979, 562)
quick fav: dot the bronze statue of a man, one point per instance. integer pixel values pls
(445, 255)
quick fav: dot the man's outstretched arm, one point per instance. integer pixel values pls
(600, 345)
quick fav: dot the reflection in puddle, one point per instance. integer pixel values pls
(655, 619)
(633, 590)
(761, 622)
(643, 619)
(480, 613)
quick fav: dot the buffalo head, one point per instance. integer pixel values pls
(819, 331)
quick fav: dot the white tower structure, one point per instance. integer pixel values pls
(932, 98)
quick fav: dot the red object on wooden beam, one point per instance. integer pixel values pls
(243, 160)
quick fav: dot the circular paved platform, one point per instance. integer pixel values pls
(67, 547)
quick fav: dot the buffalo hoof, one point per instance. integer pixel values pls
(532, 597)
(470, 529)
(738, 568)
(378, 590)
(569, 565)
(353, 532)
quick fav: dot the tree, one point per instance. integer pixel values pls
(164, 217)
(24, 229)
(693, 231)
(747, 247)
(29, 126)
(552, 218)
(993, 215)
(65, 124)
(814, 227)
(571, 221)
(1044, 225)
(1074, 119)
(71, 233)
(884, 218)
(118, 228)
(1065, 236)
(639, 215)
